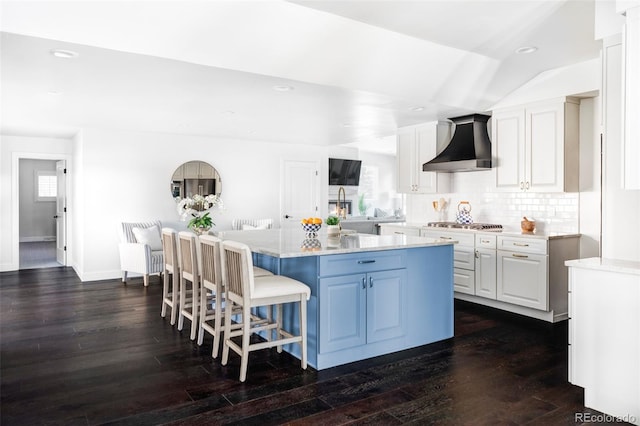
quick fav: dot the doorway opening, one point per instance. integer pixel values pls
(41, 209)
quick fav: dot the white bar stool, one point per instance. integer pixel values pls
(171, 286)
(246, 291)
(189, 273)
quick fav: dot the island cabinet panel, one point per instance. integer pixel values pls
(343, 312)
(362, 308)
(369, 303)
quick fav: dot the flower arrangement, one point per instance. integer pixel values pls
(197, 208)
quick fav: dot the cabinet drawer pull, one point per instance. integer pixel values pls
(446, 238)
(366, 261)
(522, 256)
(521, 245)
(485, 241)
(398, 232)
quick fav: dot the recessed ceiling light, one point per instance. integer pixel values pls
(346, 124)
(282, 88)
(417, 108)
(526, 49)
(65, 54)
(54, 93)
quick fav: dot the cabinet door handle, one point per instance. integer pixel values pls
(367, 261)
(527, 185)
(521, 244)
(521, 256)
(521, 185)
(477, 254)
(370, 282)
(364, 283)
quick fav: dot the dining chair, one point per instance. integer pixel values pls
(189, 281)
(246, 291)
(171, 281)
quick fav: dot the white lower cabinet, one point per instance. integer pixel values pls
(464, 277)
(522, 279)
(486, 273)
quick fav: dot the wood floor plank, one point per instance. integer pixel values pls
(74, 353)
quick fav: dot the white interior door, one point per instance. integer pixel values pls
(300, 191)
(61, 213)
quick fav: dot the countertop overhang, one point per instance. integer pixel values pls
(294, 242)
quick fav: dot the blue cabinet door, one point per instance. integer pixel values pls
(386, 305)
(343, 316)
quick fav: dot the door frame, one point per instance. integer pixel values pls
(15, 199)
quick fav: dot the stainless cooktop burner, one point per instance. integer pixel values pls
(473, 226)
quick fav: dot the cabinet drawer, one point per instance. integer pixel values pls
(463, 239)
(464, 257)
(463, 281)
(343, 264)
(526, 245)
(486, 241)
(401, 230)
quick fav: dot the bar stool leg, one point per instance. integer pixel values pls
(303, 332)
(246, 337)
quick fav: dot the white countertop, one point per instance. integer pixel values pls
(294, 243)
(602, 264)
(538, 235)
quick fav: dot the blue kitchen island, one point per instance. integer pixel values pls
(370, 295)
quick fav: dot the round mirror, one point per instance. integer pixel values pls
(195, 178)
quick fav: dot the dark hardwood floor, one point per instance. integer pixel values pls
(99, 353)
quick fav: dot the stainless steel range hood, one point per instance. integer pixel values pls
(469, 148)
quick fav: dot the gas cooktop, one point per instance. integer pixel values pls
(471, 226)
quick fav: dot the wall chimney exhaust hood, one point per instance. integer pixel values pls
(469, 149)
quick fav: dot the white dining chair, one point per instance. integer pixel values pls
(246, 291)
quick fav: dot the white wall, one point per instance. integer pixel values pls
(36, 217)
(620, 226)
(125, 176)
(12, 148)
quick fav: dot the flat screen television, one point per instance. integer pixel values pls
(344, 172)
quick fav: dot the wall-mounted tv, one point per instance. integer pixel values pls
(344, 172)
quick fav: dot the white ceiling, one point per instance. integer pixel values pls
(357, 68)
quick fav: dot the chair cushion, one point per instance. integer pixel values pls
(278, 285)
(149, 236)
(259, 272)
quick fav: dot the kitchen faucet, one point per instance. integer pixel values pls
(342, 212)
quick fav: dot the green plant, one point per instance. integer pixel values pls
(362, 206)
(203, 221)
(332, 220)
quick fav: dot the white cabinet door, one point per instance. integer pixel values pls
(426, 141)
(522, 279)
(544, 148)
(486, 260)
(508, 149)
(406, 155)
(415, 146)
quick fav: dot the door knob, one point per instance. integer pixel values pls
(286, 216)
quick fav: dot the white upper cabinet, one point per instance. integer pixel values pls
(417, 145)
(535, 147)
(631, 93)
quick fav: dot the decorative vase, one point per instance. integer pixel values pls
(333, 229)
(199, 231)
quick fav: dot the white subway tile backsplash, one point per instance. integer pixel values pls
(553, 212)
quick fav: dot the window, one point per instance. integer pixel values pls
(46, 185)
